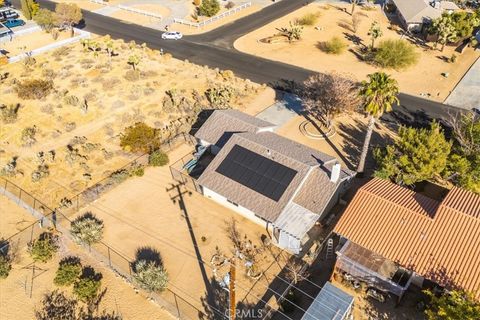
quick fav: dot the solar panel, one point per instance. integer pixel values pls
(256, 172)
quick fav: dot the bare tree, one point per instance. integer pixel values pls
(67, 15)
(327, 95)
(296, 270)
(466, 127)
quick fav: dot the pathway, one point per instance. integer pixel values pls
(466, 94)
(282, 111)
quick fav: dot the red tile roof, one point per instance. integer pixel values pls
(438, 240)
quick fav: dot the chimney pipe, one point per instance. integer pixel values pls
(335, 174)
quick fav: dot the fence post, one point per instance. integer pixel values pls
(109, 259)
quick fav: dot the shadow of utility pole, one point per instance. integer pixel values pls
(179, 197)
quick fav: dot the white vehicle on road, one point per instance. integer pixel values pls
(172, 35)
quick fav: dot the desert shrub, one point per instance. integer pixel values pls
(220, 96)
(308, 19)
(33, 88)
(150, 275)
(334, 46)
(69, 270)
(61, 52)
(5, 266)
(132, 75)
(110, 83)
(230, 5)
(28, 136)
(9, 113)
(137, 170)
(87, 286)
(158, 158)
(139, 138)
(227, 74)
(42, 171)
(209, 8)
(293, 32)
(87, 229)
(43, 248)
(396, 54)
(72, 100)
(119, 176)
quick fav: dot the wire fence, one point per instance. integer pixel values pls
(214, 18)
(179, 305)
(92, 193)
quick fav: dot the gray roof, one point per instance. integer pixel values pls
(331, 303)
(312, 173)
(221, 124)
(416, 11)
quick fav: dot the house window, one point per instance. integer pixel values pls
(235, 204)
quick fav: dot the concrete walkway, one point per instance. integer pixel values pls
(282, 111)
(466, 94)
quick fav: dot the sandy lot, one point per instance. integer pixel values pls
(423, 79)
(30, 41)
(346, 144)
(113, 102)
(140, 212)
(16, 303)
(12, 217)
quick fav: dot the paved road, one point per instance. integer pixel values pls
(215, 49)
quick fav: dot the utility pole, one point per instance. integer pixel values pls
(231, 289)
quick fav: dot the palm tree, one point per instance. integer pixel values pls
(379, 94)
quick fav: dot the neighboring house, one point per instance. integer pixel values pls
(414, 15)
(276, 182)
(394, 236)
(331, 303)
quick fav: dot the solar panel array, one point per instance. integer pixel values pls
(256, 172)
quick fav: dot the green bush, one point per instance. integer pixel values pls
(396, 54)
(334, 46)
(5, 266)
(33, 88)
(87, 287)
(44, 248)
(87, 229)
(138, 171)
(158, 159)
(139, 138)
(209, 8)
(119, 176)
(69, 270)
(308, 19)
(150, 276)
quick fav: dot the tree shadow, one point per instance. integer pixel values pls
(346, 25)
(353, 136)
(148, 254)
(87, 216)
(89, 273)
(356, 40)
(70, 260)
(214, 302)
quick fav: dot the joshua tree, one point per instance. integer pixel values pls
(379, 94)
(375, 32)
(445, 29)
(134, 60)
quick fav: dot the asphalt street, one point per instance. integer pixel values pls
(215, 49)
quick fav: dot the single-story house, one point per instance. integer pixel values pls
(276, 182)
(394, 236)
(414, 15)
(331, 303)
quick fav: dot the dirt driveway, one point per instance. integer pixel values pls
(140, 212)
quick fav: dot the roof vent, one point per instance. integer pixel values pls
(335, 175)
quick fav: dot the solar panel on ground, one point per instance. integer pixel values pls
(256, 172)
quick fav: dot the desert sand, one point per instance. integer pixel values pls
(425, 78)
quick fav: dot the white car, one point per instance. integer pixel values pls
(172, 35)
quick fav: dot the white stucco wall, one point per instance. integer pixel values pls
(239, 209)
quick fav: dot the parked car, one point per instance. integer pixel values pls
(172, 35)
(12, 23)
(7, 13)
